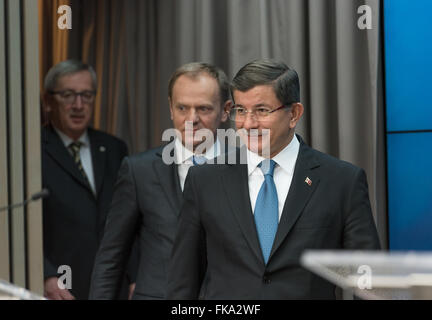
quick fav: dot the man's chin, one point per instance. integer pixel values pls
(192, 144)
(258, 148)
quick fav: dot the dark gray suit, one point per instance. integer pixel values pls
(217, 226)
(145, 206)
(73, 218)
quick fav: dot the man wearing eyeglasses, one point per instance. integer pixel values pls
(246, 224)
(79, 167)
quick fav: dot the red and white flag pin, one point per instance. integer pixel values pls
(308, 181)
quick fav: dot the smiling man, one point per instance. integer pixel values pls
(246, 225)
(148, 194)
(79, 167)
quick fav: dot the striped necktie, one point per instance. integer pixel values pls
(75, 147)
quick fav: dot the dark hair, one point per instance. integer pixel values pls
(196, 68)
(285, 80)
(64, 68)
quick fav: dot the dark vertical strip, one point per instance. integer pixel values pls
(153, 77)
(81, 26)
(308, 69)
(24, 142)
(383, 72)
(6, 53)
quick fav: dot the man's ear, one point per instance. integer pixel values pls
(47, 103)
(297, 111)
(226, 110)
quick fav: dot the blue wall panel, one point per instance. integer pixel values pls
(408, 60)
(410, 190)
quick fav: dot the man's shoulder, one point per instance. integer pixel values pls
(106, 137)
(146, 156)
(330, 162)
(218, 167)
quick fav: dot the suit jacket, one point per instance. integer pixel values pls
(146, 204)
(145, 209)
(73, 218)
(217, 226)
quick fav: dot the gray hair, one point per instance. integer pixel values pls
(65, 68)
(283, 79)
(196, 68)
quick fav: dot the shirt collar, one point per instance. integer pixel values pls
(286, 159)
(84, 139)
(184, 155)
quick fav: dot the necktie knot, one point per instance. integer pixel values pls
(75, 147)
(267, 167)
(198, 160)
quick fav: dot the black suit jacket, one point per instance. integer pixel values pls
(73, 218)
(146, 205)
(217, 226)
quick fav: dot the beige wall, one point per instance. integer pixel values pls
(21, 259)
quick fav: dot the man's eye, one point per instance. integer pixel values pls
(263, 111)
(87, 95)
(204, 109)
(181, 108)
(241, 111)
(67, 94)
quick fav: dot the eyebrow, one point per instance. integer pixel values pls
(255, 106)
(73, 90)
(198, 105)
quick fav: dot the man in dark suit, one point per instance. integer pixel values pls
(148, 193)
(245, 225)
(79, 167)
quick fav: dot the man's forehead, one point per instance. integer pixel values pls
(81, 79)
(258, 93)
(196, 79)
(195, 88)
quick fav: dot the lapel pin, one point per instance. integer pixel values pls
(102, 149)
(308, 181)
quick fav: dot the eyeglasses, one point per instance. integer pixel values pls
(69, 96)
(239, 113)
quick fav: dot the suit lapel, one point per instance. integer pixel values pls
(235, 183)
(169, 181)
(299, 193)
(98, 152)
(56, 149)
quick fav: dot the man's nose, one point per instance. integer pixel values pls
(193, 116)
(78, 104)
(250, 122)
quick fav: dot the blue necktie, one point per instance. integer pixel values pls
(266, 209)
(198, 160)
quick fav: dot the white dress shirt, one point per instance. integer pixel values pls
(85, 154)
(183, 158)
(282, 175)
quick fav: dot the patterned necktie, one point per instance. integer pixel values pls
(74, 147)
(266, 209)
